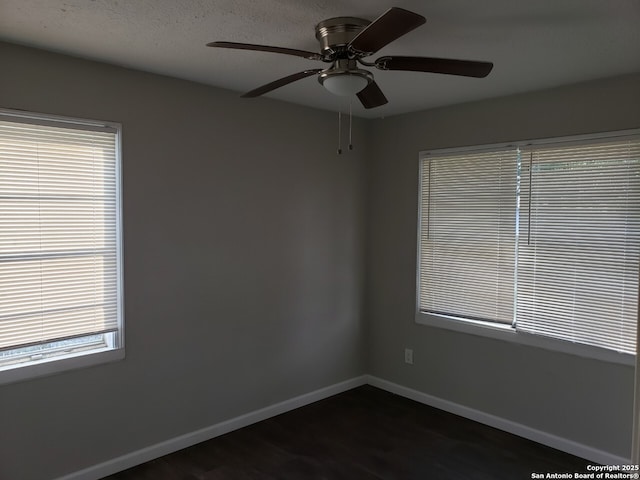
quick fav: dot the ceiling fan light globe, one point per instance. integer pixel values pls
(345, 84)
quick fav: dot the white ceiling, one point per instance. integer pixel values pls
(534, 44)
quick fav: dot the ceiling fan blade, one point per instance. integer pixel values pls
(466, 68)
(371, 96)
(280, 83)
(267, 48)
(389, 26)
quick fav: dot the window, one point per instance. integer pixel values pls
(468, 235)
(540, 240)
(60, 256)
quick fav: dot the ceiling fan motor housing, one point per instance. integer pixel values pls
(343, 77)
(336, 33)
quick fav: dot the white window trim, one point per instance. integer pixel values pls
(115, 351)
(57, 365)
(506, 332)
(509, 334)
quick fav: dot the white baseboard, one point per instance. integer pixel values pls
(178, 443)
(174, 444)
(548, 439)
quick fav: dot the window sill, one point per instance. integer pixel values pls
(507, 333)
(58, 365)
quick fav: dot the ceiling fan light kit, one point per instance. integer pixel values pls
(345, 41)
(345, 78)
(345, 83)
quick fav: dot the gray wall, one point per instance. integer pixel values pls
(246, 242)
(586, 401)
(243, 241)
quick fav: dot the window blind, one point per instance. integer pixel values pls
(58, 232)
(579, 243)
(467, 235)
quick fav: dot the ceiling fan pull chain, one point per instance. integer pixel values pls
(350, 121)
(339, 130)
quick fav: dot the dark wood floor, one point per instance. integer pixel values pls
(367, 434)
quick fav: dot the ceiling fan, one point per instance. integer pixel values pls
(346, 41)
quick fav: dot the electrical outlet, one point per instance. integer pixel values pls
(408, 356)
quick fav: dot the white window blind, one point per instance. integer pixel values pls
(544, 239)
(579, 243)
(467, 235)
(58, 231)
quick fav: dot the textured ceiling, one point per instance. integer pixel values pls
(533, 44)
